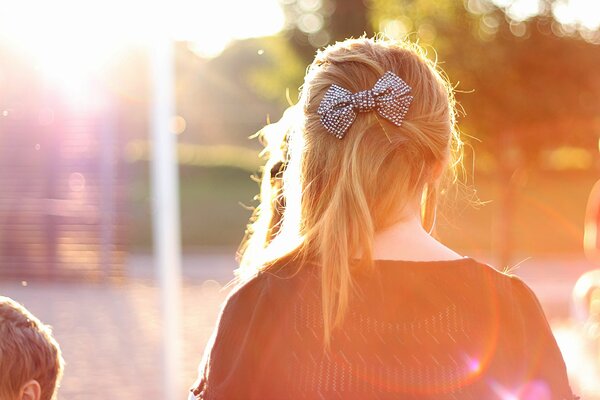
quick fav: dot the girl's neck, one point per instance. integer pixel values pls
(408, 240)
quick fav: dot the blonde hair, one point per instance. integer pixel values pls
(27, 351)
(322, 199)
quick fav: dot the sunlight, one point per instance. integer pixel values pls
(94, 27)
(210, 27)
(290, 235)
(569, 12)
(71, 43)
(583, 12)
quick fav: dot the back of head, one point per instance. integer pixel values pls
(381, 166)
(334, 194)
(27, 352)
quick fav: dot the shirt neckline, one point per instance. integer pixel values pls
(424, 262)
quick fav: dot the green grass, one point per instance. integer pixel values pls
(210, 207)
(548, 216)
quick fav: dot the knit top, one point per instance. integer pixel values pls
(454, 329)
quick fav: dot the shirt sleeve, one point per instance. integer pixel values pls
(232, 358)
(545, 370)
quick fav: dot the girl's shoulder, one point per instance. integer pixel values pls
(512, 286)
(507, 280)
(263, 285)
(502, 278)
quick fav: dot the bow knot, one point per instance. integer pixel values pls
(363, 101)
(389, 98)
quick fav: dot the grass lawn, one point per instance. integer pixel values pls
(212, 207)
(548, 215)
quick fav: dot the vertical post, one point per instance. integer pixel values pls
(166, 225)
(107, 188)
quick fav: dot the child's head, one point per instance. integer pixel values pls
(334, 194)
(31, 363)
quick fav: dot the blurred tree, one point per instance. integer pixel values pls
(226, 99)
(530, 80)
(315, 23)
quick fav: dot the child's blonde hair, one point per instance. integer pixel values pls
(322, 199)
(27, 351)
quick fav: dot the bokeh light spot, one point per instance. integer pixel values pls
(76, 182)
(518, 29)
(310, 23)
(178, 125)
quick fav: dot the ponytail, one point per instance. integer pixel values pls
(321, 198)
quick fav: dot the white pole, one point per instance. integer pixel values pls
(166, 225)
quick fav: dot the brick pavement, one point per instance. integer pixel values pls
(110, 334)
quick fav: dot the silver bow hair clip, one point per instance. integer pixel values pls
(389, 98)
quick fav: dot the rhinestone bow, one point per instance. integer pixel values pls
(389, 98)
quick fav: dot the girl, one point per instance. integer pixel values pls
(343, 293)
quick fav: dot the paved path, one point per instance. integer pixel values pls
(110, 334)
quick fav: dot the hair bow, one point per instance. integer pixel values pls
(389, 98)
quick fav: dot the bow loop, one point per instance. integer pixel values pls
(389, 98)
(336, 110)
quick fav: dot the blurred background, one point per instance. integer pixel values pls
(78, 98)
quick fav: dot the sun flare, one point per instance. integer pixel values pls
(70, 42)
